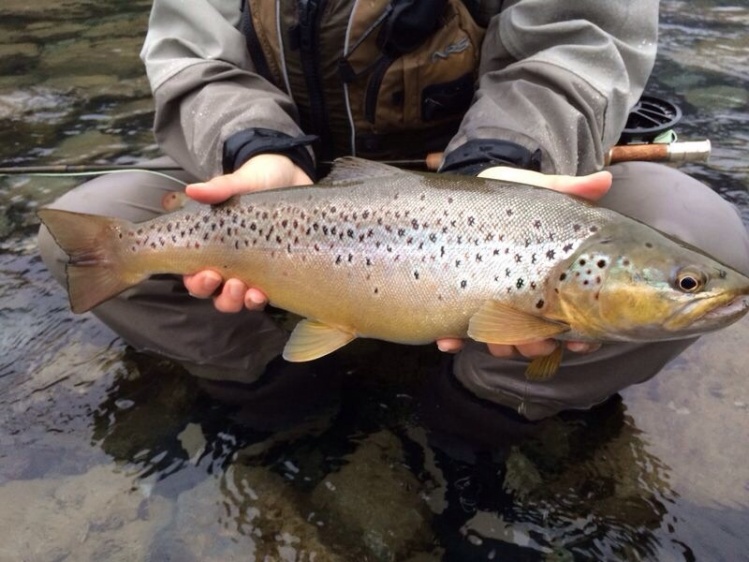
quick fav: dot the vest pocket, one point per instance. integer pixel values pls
(431, 84)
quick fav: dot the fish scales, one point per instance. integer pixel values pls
(401, 248)
(408, 258)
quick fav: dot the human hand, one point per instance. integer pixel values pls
(264, 171)
(593, 187)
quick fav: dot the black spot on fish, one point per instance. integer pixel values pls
(594, 228)
(376, 290)
(601, 263)
(581, 262)
(442, 251)
(463, 284)
(369, 262)
(457, 263)
(625, 263)
(518, 258)
(567, 248)
(350, 232)
(509, 212)
(563, 276)
(416, 275)
(508, 272)
(533, 258)
(478, 258)
(350, 258)
(338, 260)
(648, 245)
(401, 232)
(471, 221)
(415, 224)
(519, 283)
(576, 227)
(550, 254)
(284, 223)
(540, 303)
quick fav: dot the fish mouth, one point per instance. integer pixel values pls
(718, 315)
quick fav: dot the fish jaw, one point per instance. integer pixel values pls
(709, 314)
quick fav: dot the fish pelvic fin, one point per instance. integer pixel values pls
(545, 367)
(311, 339)
(96, 270)
(496, 322)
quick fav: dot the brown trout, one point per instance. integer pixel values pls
(374, 251)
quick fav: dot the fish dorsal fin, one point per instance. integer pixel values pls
(544, 367)
(350, 168)
(311, 340)
(496, 322)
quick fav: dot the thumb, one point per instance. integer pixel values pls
(216, 190)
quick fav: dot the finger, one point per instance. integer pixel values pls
(502, 351)
(583, 347)
(203, 284)
(231, 298)
(217, 190)
(255, 299)
(537, 349)
(450, 345)
(593, 186)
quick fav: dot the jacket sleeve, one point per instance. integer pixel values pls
(557, 80)
(205, 87)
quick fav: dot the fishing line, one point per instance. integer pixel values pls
(106, 172)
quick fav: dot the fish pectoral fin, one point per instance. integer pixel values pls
(545, 367)
(496, 322)
(311, 339)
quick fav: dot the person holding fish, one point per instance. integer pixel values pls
(254, 97)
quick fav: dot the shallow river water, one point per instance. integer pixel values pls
(109, 455)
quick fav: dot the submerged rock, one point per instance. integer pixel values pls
(94, 516)
(376, 501)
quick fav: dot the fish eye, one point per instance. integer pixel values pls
(689, 280)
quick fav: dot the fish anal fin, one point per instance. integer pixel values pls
(499, 323)
(545, 367)
(311, 339)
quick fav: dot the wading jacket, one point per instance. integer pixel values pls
(544, 84)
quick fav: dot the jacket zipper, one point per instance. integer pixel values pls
(310, 13)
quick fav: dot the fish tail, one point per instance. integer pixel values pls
(96, 270)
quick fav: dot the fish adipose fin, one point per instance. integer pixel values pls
(95, 271)
(498, 323)
(312, 340)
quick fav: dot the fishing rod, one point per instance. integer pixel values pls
(693, 151)
(647, 136)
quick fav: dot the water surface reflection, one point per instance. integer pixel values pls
(369, 455)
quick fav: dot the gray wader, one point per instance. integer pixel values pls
(160, 317)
